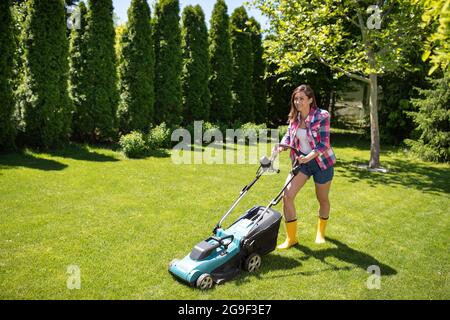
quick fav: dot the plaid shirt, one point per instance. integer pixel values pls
(318, 134)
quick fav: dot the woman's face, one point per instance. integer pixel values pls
(302, 102)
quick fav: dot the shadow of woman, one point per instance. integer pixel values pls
(346, 254)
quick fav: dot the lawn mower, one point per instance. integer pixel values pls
(240, 246)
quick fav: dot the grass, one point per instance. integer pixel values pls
(121, 221)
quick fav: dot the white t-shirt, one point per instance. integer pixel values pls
(304, 144)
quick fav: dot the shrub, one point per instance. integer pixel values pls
(133, 145)
(252, 130)
(282, 131)
(159, 137)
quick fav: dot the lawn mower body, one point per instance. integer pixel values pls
(225, 260)
(238, 247)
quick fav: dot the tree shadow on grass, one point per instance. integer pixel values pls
(204, 147)
(81, 152)
(159, 153)
(410, 174)
(33, 161)
(13, 160)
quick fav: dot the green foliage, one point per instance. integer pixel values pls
(99, 108)
(433, 121)
(133, 145)
(241, 47)
(398, 88)
(278, 96)
(253, 131)
(282, 131)
(220, 80)
(159, 137)
(44, 107)
(259, 69)
(136, 70)
(336, 33)
(195, 74)
(258, 128)
(7, 130)
(19, 13)
(167, 40)
(437, 47)
(78, 78)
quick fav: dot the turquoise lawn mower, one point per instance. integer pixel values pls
(240, 246)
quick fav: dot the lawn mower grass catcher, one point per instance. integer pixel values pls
(240, 246)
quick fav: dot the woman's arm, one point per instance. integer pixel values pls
(287, 137)
(324, 134)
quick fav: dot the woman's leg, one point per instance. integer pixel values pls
(322, 191)
(289, 209)
(289, 195)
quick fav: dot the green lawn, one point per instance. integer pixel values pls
(122, 221)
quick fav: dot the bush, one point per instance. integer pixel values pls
(210, 126)
(282, 131)
(133, 145)
(159, 137)
(253, 131)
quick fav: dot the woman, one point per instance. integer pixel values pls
(308, 132)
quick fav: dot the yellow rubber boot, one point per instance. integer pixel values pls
(321, 225)
(291, 235)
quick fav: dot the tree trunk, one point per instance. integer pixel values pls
(374, 161)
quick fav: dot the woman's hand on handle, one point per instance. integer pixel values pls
(276, 150)
(305, 159)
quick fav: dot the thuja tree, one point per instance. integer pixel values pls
(78, 84)
(167, 40)
(259, 69)
(100, 105)
(7, 48)
(241, 47)
(195, 74)
(220, 59)
(136, 70)
(43, 102)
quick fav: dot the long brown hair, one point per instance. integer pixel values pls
(293, 114)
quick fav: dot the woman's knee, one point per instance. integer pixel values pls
(324, 203)
(288, 197)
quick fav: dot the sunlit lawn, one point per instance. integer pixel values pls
(122, 221)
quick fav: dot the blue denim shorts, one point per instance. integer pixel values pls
(312, 169)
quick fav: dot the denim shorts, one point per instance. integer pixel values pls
(312, 169)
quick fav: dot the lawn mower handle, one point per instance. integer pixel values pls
(297, 152)
(265, 165)
(295, 170)
(241, 195)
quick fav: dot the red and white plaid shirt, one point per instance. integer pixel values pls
(318, 135)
